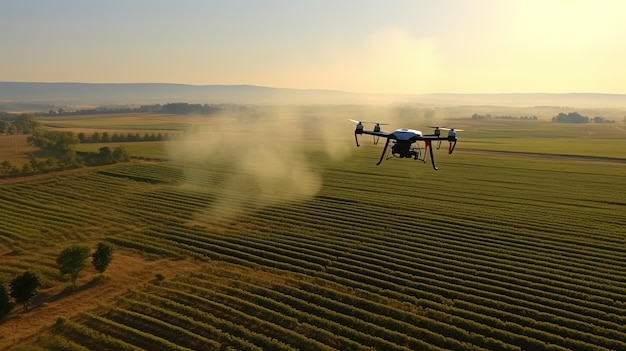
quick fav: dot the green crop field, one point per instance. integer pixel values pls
(130, 121)
(292, 239)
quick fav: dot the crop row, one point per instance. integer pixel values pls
(375, 260)
(373, 275)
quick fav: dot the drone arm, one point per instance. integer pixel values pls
(383, 154)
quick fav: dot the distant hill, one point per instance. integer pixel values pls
(152, 93)
(43, 95)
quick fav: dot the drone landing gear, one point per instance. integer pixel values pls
(429, 147)
(383, 154)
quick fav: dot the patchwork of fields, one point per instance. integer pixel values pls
(492, 252)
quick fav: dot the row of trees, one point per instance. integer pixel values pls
(572, 117)
(173, 108)
(575, 117)
(129, 137)
(71, 261)
(489, 116)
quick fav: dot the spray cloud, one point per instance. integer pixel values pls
(260, 156)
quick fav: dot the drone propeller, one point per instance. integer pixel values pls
(376, 123)
(446, 128)
(452, 129)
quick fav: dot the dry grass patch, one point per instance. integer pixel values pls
(128, 270)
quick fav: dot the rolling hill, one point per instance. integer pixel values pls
(44, 95)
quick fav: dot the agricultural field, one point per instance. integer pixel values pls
(277, 233)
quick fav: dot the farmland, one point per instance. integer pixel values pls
(279, 234)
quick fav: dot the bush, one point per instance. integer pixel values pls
(5, 302)
(72, 261)
(102, 257)
(24, 288)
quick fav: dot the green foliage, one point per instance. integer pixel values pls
(56, 342)
(572, 117)
(105, 156)
(102, 257)
(119, 137)
(58, 153)
(600, 119)
(177, 108)
(120, 155)
(45, 165)
(7, 169)
(186, 108)
(5, 302)
(25, 287)
(73, 260)
(23, 123)
(54, 142)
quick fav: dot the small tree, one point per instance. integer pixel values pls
(120, 155)
(72, 261)
(102, 257)
(24, 288)
(5, 303)
(105, 156)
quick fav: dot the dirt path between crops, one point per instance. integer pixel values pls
(127, 271)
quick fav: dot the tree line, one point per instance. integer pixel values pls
(170, 108)
(575, 117)
(105, 137)
(57, 149)
(489, 116)
(71, 261)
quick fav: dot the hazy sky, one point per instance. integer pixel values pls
(388, 46)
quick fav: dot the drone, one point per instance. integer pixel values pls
(403, 140)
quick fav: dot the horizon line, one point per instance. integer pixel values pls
(304, 89)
